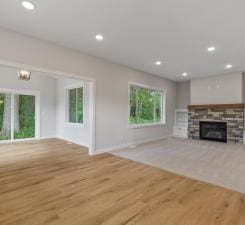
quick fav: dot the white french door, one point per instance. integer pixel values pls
(19, 114)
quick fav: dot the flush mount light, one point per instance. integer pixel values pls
(211, 49)
(228, 66)
(99, 37)
(28, 5)
(158, 63)
(24, 75)
(184, 74)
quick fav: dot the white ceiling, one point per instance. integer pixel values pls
(139, 32)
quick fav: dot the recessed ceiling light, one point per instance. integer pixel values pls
(211, 48)
(28, 5)
(99, 37)
(228, 66)
(184, 74)
(158, 63)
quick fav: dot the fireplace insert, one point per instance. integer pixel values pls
(213, 131)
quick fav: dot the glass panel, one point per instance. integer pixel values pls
(158, 107)
(76, 105)
(146, 106)
(72, 106)
(24, 116)
(133, 105)
(80, 105)
(5, 116)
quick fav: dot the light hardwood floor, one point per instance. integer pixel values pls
(53, 183)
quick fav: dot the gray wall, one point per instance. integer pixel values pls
(183, 94)
(74, 133)
(221, 89)
(41, 83)
(111, 86)
(243, 86)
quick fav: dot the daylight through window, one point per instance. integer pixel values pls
(146, 106)
(75, 105)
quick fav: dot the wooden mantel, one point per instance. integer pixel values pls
(217, 106)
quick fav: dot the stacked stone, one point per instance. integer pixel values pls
(233, 117)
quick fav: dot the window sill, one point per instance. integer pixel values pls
(75, 125)
(137, 126)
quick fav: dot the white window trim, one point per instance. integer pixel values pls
(67, 88)
(163, 107)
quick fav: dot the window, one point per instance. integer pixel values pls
(75, 105)
(146, 106)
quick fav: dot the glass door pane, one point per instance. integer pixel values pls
(5, 116)
(24, 116)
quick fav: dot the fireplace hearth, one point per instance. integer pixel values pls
(213, 131)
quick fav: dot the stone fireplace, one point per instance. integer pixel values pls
(213, 131)
(216, 122)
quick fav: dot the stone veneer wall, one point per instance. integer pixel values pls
(234, 118)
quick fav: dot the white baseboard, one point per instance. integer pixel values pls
(47, 137)
(73, 141)
(122, 146)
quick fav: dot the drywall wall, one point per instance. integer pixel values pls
(111, 86)
(75, 133)
(221, 89)
(243, 86)
(45, 85)
(183, 94)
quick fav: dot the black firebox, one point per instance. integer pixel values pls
(213, 131)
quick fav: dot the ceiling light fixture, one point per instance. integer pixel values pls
(28, 5)
(99, 37)
(158, 63)
(184, 74)
(228, 66)
(211, 48)
(24, 75)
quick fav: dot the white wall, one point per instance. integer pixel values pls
(111, 86)
(222, 89)
(76, 134)
(43, 84)
(183, 94)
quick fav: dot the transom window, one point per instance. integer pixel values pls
(75, 111)
(146, 105)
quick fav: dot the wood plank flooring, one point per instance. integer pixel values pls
(53, 183)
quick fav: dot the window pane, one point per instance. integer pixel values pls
(72, 106)
(146, 106)
(158, 102)
(5, 116)
(80, 105)
(24, 116)
(133, 107)
(76, 105)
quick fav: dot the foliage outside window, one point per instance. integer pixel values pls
(75, 105)
(23, 117)
(145, 106)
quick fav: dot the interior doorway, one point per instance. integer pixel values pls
(46, 91)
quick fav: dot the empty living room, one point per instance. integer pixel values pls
(126, 112)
